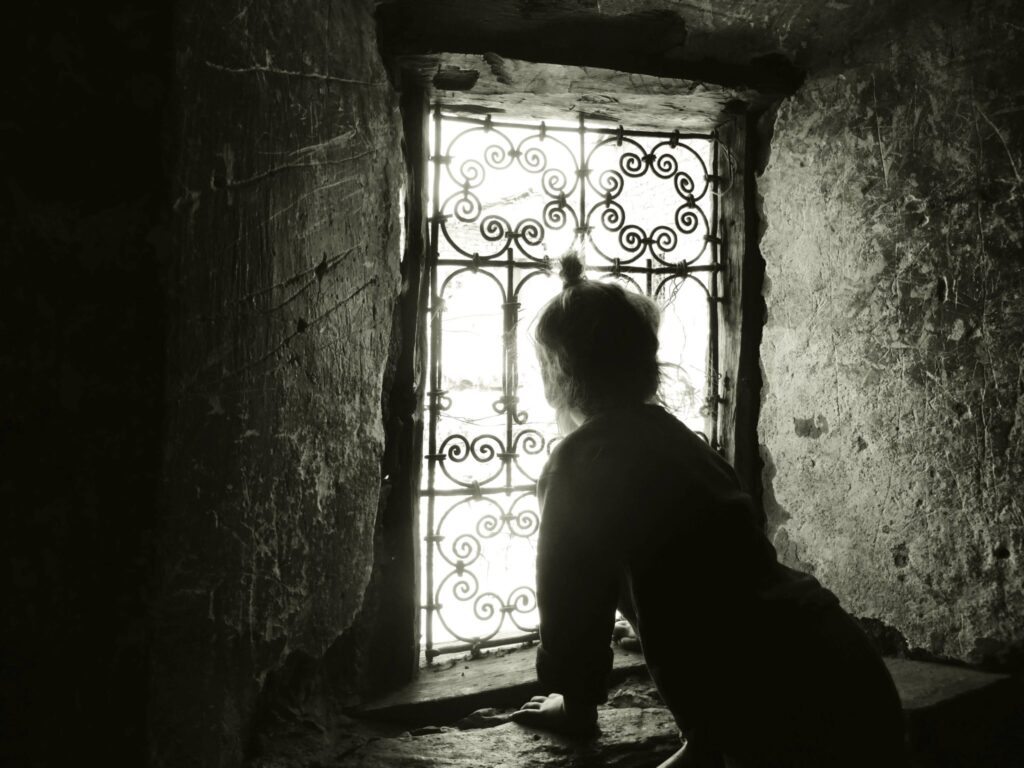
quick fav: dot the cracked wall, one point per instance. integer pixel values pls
(286, 183)
(893, 351)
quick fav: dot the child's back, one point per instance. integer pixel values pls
(750, 656)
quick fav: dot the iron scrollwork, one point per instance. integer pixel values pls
(557, 186)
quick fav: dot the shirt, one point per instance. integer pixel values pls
(639, 513)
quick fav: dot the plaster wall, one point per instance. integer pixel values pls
(282, 283)
(893, 351)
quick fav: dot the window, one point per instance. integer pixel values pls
(506, 199)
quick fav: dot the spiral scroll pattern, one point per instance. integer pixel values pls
(507, 199)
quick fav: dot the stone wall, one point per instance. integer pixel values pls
(893, 351)
(253, 349)
(286, 179)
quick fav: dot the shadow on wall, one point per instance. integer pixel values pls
(776, 516)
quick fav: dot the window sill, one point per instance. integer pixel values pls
(447, 691)
(955, 716)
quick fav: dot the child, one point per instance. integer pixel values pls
(758, 663)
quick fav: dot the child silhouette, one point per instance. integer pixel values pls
(758, 663)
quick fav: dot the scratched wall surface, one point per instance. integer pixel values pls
(286, 177)
(893, 354)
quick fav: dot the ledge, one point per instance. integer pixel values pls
(448, 691)
(960, 717)
(924, 685)
(527, 90)
(956, 716)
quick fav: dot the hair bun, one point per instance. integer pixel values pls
(570, 269)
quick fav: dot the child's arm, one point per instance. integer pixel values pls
(577, 592)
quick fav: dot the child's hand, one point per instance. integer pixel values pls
(550, 714)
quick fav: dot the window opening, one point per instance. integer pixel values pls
(506, 199)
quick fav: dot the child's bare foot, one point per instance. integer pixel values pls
(551, 714)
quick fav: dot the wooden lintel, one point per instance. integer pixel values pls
(649, 42)
(492, 83)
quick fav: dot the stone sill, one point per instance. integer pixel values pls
(450, 690)
(956, 717)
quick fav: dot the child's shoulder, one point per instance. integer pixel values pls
(611, 438)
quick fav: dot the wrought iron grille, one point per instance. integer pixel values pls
(507, 199)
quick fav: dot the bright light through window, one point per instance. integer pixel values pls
(507, 200)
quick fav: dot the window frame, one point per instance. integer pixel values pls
(739, 319)
(445, 112)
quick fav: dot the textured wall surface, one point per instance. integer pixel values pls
(253, 360)
(893, 411)
(687, 33)
(286, 181)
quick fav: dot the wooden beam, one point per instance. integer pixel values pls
(648, 42)
(526, 89)
(741, 315)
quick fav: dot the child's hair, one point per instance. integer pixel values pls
(597, 344)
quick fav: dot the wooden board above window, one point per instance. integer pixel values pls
(488, 83)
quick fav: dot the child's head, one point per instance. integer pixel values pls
(597, 344)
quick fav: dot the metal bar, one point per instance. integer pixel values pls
(681, 271)
(434, 319)
(490, 490)
(494, 642)
(584, 222)
(572, 129)
(510, 315)
(713, 383)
